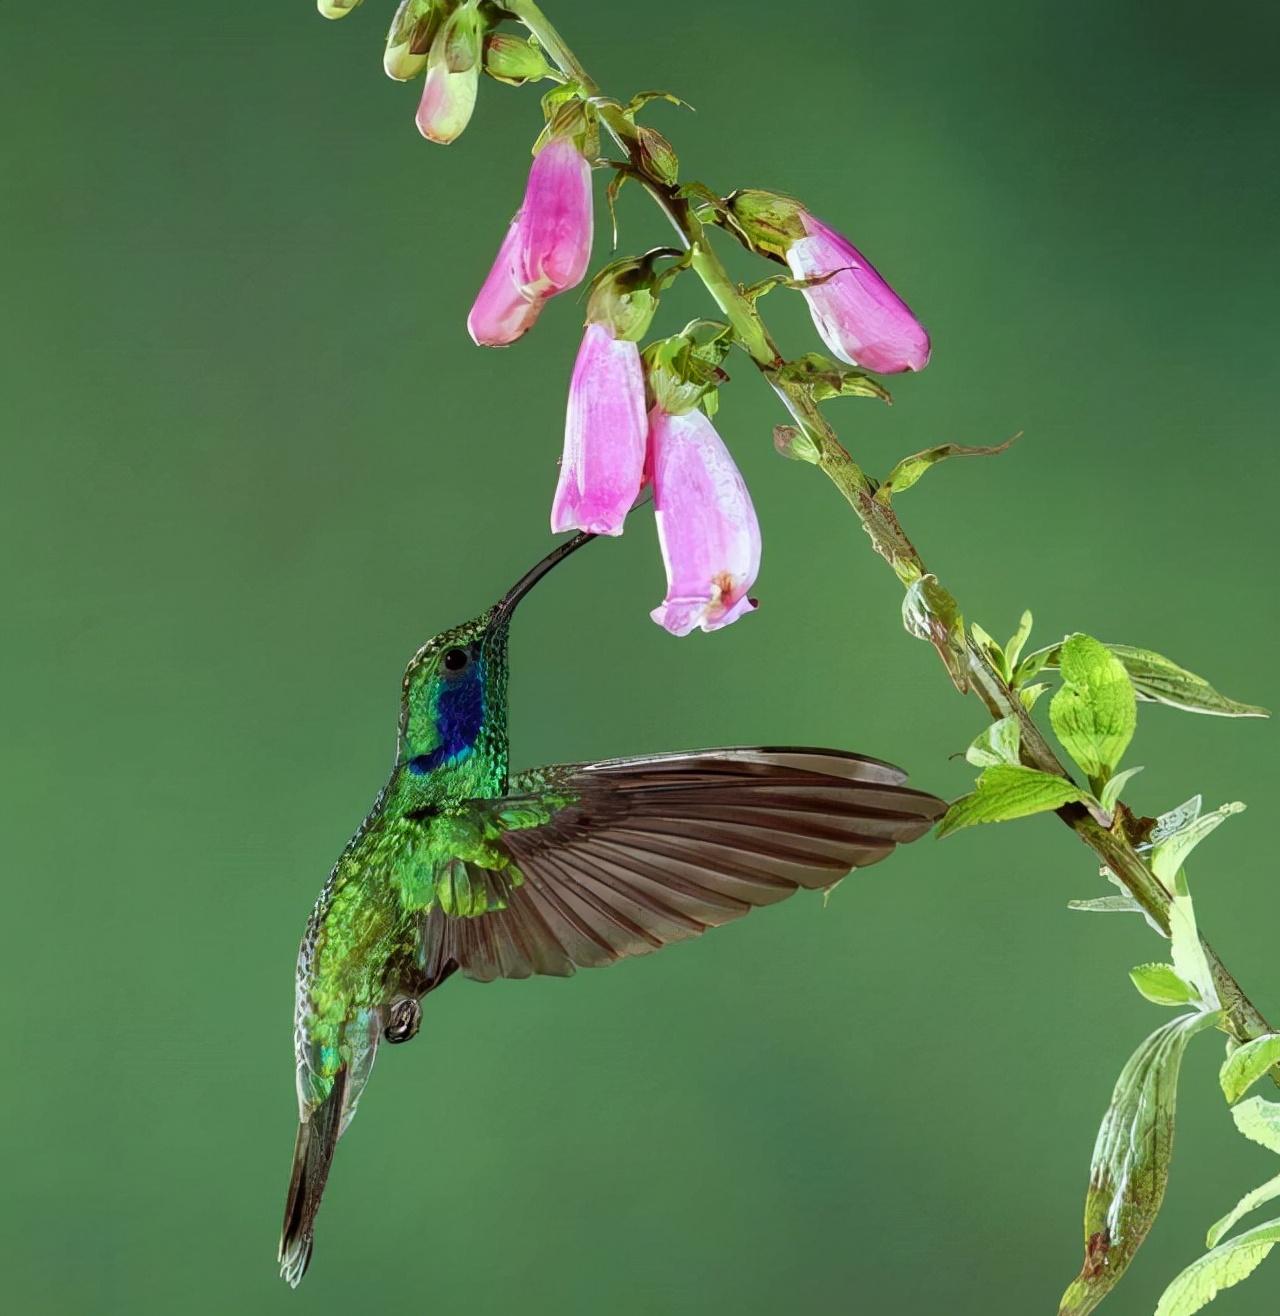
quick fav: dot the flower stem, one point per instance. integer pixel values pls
(1242, 1019)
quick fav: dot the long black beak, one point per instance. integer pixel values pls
(507, 604)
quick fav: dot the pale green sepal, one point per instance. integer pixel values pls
(1246, 1065)
(1161, 985)
(826, 379)
(1006, 792)
(1095, 713)
(1130, 1166)
(1220, 1269)
(1000, 743)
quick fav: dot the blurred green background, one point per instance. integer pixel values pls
(252, 460)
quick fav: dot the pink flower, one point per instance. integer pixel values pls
(547, 249)
(602, 471)
(859, 317)
(707, 526)
(502, 313)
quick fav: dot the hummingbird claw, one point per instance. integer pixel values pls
(403, 1021)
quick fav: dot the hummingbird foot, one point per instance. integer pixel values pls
(403, 1021)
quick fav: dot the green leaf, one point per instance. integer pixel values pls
(1156, 679)
(1249, 1202)
(1187, 949)
(1006, 792)
(1220, 1269)
(990, 650)
(1246, 1065)
(1095, 713)
(1259, 1121)
(1130, 1166)
(1107, 905)
(1110, 796)
(930, 613)
(1160, 984)
(1030, 695)
(1013, 650)
(909, 470)
(999, 743)
(828, 379)
(1170, 851)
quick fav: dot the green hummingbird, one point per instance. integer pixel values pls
(461, 868)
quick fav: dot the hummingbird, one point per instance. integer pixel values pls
(460, 867)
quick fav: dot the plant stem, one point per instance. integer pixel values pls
(1242, 1019)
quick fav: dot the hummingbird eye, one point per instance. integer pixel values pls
(455, 660)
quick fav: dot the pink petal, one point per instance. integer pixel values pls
(502, 313)
(707, 526)
(857, 314)
(604, 437)
(555, 248)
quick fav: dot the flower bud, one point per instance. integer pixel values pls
(413, 29)
(336, 8)
(449, 94)
(556, 221)
(602, 471)
(509, 59)
(707, 526)
(657, 155)
(857, 314)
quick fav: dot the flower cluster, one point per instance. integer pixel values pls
(637, 419)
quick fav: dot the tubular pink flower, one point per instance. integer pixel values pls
(858, 315)
(602, 470)
(557, 219)
(502, 313)
(706, 524)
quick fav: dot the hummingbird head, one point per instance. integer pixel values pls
(453, 709)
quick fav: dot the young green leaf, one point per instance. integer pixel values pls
(1259, 1121)
(1110, 796)
(909, 470)
(1249, 1202)
(1005, 792)
(1130, 1166)
(1030, 695)
(1225, 1266)
(1160, 984)
(930, 613)
(1106, 905)
(1170, 851)
(1187, 949)
(990, 650)
(1013, 650)
(999, 743)
(1160, 680)
(1246, 1065)
(1095, 713)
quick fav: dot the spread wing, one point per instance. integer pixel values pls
(625, 856)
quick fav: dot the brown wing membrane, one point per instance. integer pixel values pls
(656, 850)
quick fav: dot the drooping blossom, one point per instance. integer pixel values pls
(605, 434)
(857, 314)
(707, 526)
(547, 250)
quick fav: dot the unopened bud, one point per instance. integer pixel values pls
(509, 59)
(769, 221)
(657, 155)
(336, 8)
(409, 41)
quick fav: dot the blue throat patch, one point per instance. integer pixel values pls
(459, 719)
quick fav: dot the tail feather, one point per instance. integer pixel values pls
(312, 1156)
